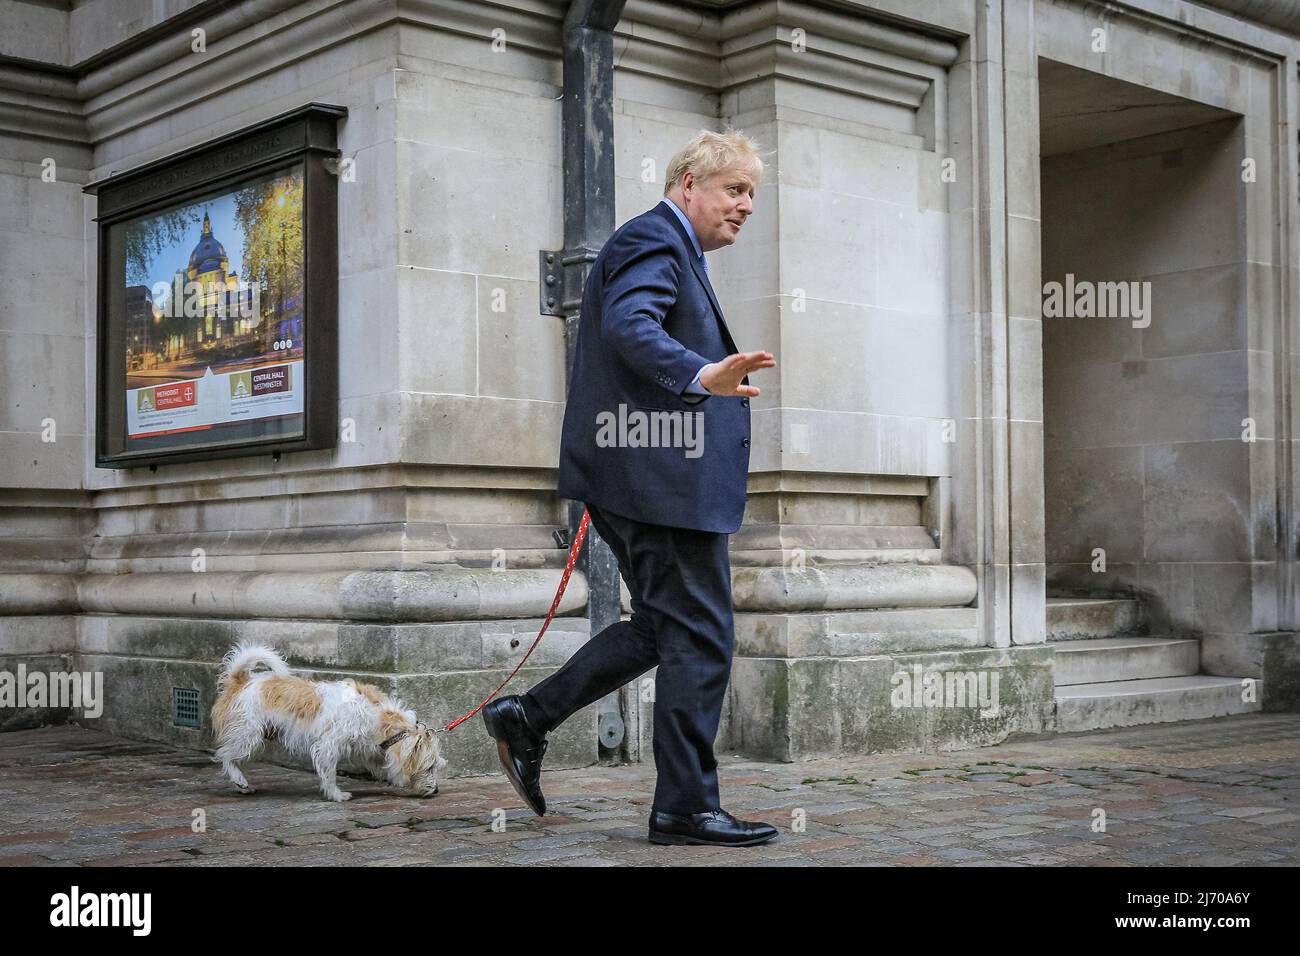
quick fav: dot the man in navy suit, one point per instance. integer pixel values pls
(656, 443)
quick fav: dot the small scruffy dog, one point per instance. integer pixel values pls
(328, 719)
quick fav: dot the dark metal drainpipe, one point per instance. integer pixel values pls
(588, 134)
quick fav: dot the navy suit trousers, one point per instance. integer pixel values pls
(680, 582)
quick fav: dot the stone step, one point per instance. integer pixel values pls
(1105, 659)
(1155, 700)
(1082, 619)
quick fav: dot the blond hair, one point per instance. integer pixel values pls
(708, 153)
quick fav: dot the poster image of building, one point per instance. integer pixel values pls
(214, 306)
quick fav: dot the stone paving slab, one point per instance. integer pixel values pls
(1200, 793)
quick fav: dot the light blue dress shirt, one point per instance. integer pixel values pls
(695, 388)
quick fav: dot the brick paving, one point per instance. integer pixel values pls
(1213, 792)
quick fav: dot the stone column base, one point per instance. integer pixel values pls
(862, 701)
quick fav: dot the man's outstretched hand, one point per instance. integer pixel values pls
(724, 378)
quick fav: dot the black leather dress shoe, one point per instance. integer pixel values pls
(520, 749)
(714, 828)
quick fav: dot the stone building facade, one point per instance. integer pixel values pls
(1089, 507)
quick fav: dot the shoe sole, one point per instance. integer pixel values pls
(508, 764)
(678, 839)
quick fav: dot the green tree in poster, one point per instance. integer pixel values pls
(269, 214)
(146, 238)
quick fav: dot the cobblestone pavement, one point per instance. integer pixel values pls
(1213, 792)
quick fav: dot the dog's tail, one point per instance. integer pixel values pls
(242, 658)
(236, 668)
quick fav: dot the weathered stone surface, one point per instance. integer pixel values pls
(793, 709)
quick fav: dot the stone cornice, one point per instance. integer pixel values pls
(127, 85)
(854, 29)
(850, 48)
(846, 51)
(151, 82)
(787, 44)
(37, 101)
(1282, 14)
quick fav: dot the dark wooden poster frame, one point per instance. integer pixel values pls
(305, 135)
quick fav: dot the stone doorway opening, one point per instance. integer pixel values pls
(1146, 388)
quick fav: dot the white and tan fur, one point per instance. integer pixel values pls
(330, 720)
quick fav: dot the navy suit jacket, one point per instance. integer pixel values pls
(649, 321)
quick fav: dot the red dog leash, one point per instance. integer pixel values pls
(564, 582)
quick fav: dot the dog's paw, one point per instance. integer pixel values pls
(339, 796)
(246, 790)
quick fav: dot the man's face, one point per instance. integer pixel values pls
(719, 206)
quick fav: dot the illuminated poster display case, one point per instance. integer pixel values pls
(218, 297)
